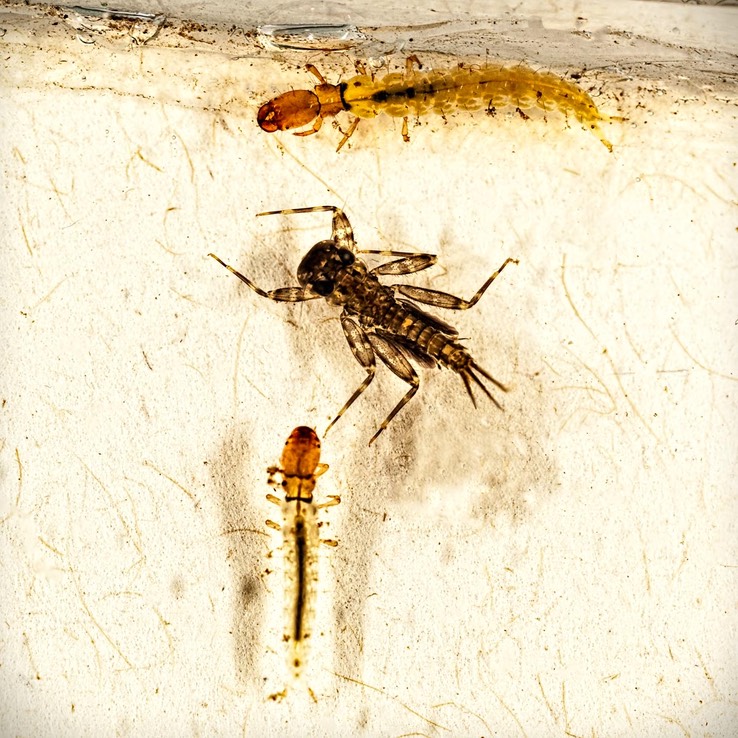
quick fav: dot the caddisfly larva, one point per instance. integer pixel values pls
(416, 92)
(300, 467)
(380, 320)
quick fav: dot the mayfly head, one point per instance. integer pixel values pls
(293, 109)
(321, 265)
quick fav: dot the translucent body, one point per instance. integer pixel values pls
(416, 93)
(300, 466)
(300, 531)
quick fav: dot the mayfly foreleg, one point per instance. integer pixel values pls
(409, 263)
(363, 353)
(341, 230)
(293, 211)
(446, 300)
(282, 294)
(393, 357)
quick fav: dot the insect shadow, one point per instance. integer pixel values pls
(247, 545)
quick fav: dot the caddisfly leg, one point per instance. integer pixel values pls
(270, 523)
(330, 502)
(444, 299)
(348, 134)
(283, 294)
(342, 232)
(317, 125)
(405, 131)
(409, 62)
(322, 469)
(319, 120)
(363, 353)
(392, 356)
(314, 71)
(412, 59)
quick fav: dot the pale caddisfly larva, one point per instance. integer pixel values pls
(300, 467)
(418, 92)
(381, 320)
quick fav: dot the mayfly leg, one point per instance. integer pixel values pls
(446, 300)
(363, 353)
(394, 359)
(365, 347)
(341, 231)
(408, 263)
(440, 299)
(282, 294)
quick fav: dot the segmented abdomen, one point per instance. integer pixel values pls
(300, 564)
(411, 330)
(470, 88)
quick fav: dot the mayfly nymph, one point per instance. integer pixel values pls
(417, 92)
(382, 320)
(296, 476)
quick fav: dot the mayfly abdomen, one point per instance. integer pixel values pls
(413, 331)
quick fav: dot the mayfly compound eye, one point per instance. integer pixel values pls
(323, 287)
(346, 257)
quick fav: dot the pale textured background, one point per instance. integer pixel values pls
(565, 568)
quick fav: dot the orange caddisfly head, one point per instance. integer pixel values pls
(301, 454)
(291, 110)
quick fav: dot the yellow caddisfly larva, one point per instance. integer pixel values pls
(300, 467)
(417, 92)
